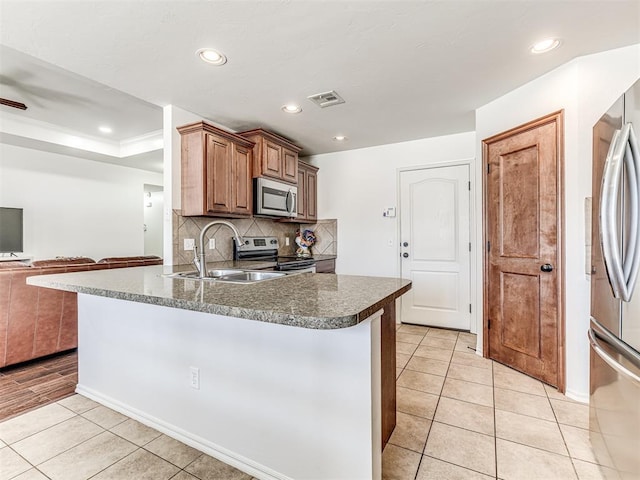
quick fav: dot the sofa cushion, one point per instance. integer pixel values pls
(62, 261)
(132, 261)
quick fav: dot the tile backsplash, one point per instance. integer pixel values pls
(326, 237)
(189, 227)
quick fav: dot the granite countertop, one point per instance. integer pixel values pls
(308, 300)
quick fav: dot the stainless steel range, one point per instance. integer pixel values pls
(266, 248)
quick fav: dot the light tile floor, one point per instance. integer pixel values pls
(459, 417)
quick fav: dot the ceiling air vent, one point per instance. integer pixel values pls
(326, 99)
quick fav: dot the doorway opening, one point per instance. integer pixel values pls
(153, 205)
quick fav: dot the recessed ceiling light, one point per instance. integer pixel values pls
(291, 108)
(105, 129)
(339, 138)
(545, 45)
(211, 56)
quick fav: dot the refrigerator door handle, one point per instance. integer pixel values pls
(609, 360)
(608, 217)
(632, 162)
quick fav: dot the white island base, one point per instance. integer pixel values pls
(276, 401)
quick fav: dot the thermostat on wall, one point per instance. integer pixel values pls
(389, 212)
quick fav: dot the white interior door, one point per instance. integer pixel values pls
(434, 246)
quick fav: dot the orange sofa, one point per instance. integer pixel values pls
(35, 321)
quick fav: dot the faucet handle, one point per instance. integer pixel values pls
(196, 260)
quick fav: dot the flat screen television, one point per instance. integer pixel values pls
(11, 231)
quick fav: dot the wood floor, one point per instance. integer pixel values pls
(29, 385)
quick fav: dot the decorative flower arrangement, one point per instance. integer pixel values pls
(305, 240)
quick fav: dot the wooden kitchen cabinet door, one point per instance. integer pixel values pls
(312, 193)
(289, 165)
(302, 197)
(241, 191)
(271, 160)
(218, 178)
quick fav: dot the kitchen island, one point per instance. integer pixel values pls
(290, 378)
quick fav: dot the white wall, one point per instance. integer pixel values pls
(585, 88)
(74, 206)
(355, 186)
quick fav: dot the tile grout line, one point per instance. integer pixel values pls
(435, 411)
(112, 464)
(495, 424)
(430, 421)
(564, 441)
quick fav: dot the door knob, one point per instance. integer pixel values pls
(405, 255)
(547, 267)
(405, 244)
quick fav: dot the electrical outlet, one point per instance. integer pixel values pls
(212, 244)
(286, 241)
(189, 244)
(194, 377)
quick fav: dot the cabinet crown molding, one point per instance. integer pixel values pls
(308, 165)
(207, 127)
(274, 137)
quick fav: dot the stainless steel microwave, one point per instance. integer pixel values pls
(274, 199)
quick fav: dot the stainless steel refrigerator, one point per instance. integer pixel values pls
(614, 332)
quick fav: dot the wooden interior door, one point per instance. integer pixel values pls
(523, 263)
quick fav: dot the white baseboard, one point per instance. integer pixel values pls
(577, 396)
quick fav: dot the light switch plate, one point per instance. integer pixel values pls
(189, 244)
(389, 212)
(212, 244)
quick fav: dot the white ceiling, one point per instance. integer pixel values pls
(407, 69)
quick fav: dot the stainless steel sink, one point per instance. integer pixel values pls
(250, 276)
(211, 274)
(228, 275)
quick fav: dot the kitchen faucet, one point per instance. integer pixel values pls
(201, 263)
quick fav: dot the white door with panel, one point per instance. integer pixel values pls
(435, 247)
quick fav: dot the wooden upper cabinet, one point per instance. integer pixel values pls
(218, 183)
(307, 193)
(216, 172)
(273, 156)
